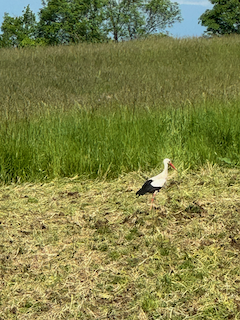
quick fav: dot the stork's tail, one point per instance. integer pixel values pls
(140, 192)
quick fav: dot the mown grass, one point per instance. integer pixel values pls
(74, 249)
(100, 110)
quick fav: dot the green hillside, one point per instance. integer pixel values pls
(100, 110)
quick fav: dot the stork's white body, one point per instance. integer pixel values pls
(154, 184)
(161, 178)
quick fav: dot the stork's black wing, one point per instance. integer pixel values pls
(147, 188)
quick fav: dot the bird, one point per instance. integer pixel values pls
(154, 184)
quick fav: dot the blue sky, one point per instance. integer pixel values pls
(189, 27)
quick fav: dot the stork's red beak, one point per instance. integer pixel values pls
(170, 163)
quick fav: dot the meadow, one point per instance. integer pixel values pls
(81, 128)
(100, 110)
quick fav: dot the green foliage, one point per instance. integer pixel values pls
(127, 19)
(12, 31)
(27, 42)
(75, 21)
(124, 19)
(223, 18)
(65, 21)
(160, 14)
(19, 31)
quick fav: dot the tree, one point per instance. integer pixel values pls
(74, 21)
(161, 14)
(18, 31)
(223, 18)
(130, 19)
(123, 18)
(71, 21)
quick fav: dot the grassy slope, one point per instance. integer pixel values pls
(75, 249)
(98, 110)
(150, 73)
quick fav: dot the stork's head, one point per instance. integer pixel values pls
(168, 161)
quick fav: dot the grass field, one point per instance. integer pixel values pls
(101, 145)
(81, 128)
(100, 110)
(74, 249)
(153, 73)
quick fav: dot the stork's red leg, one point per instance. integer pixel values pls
(153, 199)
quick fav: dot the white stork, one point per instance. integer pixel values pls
(154, 184)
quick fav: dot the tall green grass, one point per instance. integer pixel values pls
(104, 144)
(99, 110)
(151, 73)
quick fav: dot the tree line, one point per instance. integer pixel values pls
(75, 21)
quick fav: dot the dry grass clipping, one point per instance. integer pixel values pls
(73, 249)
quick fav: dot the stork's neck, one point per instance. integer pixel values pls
(164, 173)
(165, 170)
